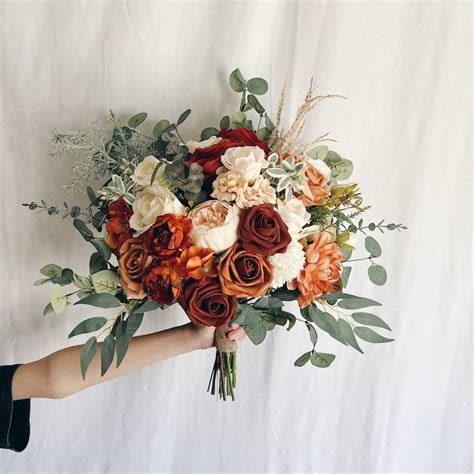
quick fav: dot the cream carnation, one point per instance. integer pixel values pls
(248, 160)
(294, 215)
(152, 202)
(260, 192)
(193, 145)
(287, 266)
(215, 225)
(144, 171)
(227, 185)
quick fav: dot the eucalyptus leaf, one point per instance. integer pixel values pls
(321, 359)
(225, 122)
(82, 282)
(103, 249)
(257, 86)
(102, 300)
(370, 319)
(348, 334)
(302, 359)
(137, 119)
(48, 309)
(147, 306)
(88, 325)
(318, 153)
(107, 354)
(160, 127)
(183, 116)
(313, 335)
(41, 281)
(369, 335)
(255, 103)
(357, 303)
(209, 132)
(372, 246)
(96, 263)
(255, 330)
(237, 81)
(346, 273)
(105, 281)
(51, 270)
(284, 294)
(83, 229)
(66, 277)
(58, 299)
(88, 352)
(377, 274)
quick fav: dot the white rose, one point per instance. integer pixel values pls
(294, 215)
(144, 171)
(322, 167)
(215, 225)
(151, 203)
(248, 160)
(288, 265)
(193, 145)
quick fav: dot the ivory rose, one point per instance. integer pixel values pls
(133, 263)
(247, 160)
(294, 215)
(144, 171)
(194, 145)
(151, 203)
(214, 225)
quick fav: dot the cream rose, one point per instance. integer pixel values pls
(193, 145)
(152, 202)
(322, 167)
(144, 171)
(248, 160)
(294, 215)
(215, 225)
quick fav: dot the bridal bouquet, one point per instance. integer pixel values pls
(229, 227)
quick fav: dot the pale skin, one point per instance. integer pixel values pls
(58, 375)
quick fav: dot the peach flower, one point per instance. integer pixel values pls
(260, 192)
(316, 190)
(196, 262)
(227, 185)
(322, 272)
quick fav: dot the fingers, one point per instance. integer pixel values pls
(237, 333)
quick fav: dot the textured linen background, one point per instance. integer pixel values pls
(406, 69)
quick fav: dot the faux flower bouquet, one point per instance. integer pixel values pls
(228, 227)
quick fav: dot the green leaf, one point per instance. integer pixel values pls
(48, 309)
(257, 86)
(134, 321)
(82, 282)
(83, 229)
(255, 103)
(91, 195)
(105, 281)
(225, 122)
(121, 341)
(318, 153)
(268, 303)
(302, 359)
(41, 281)
(263, 134)
(341, 169)
(284, 294)
(96, 263)
(88, 325)
(102, 300)
(160, 127)
(370, 319)
(87, 354)
(66, 277)
(356, 303)
(269, 124)
(255, 330)
(107, 354)
(237, 81)
(137, 119)
(346, 273)
(209, 132)
(58, 299)
(103, 249)
(51, 270)
(348, 334)
(81, 294)
(370, 336)
(149, 305)
(321, 359)
(183, 116)
(313, 335)
(377, 274)
(372, 246)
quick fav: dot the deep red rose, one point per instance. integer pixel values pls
(262, 230)
(162, 283)
(206, 305)
(244, 137)
(210, 158)
(117, 227)
(168, 236)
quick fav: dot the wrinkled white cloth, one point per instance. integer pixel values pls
(406, 69)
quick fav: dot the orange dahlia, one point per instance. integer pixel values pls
(196, 262)
(117, 227)
(322, 272)
(163, 283)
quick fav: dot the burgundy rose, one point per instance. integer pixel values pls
(206, 304)
(243, 137)
(262, 230)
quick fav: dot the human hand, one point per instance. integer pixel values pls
(204, 336)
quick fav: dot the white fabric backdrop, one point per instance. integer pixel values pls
(406, 68)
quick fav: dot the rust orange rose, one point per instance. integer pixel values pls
(196, 262)
(317, 188)
(322, 272)
(244, 274)
(133, 263)
(168, 236)
(162, 283)
(262, 230)
(206, 304)
(117, 227)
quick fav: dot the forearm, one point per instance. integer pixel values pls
(59, 375)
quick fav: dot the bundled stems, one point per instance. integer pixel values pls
(224, 371)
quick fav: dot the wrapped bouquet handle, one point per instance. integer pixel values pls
(224, 371)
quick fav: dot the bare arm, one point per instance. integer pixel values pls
(58, 375)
